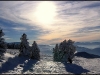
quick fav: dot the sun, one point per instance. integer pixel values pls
(45, 12)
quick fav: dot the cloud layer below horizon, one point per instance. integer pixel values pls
(50, 22)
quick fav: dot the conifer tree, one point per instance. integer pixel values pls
(3, 45)
(71, 49)
(35, 51)
(65, 51)
(56, 53)
(24, 45)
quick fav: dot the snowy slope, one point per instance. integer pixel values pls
(95, 51)
(12, 64)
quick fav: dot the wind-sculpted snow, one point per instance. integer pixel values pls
(12, 64)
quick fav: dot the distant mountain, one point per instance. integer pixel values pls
(46, 49)
(82, 49)
(14, 42)
(95, 51)
(87, 43)
(43, 45)
(86, 55)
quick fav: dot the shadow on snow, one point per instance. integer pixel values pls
(29, 65)
(73, 68)
(11, 63)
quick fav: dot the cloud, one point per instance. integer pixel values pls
(89, 29)
(12, 10)
(73, 19)
(6, 38)
(19, 29)
(85, 31)
(94, 5)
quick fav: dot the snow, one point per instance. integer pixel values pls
(12, 64)
(8, 55)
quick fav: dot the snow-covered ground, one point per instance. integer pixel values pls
(12, 64)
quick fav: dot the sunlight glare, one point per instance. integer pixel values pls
(45, 12)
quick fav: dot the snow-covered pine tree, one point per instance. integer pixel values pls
(65, 52)
(71, 49)
(3, 45)
(62, 48)
(35, 51)
(60, 45)
(56, 53)
(24, 45)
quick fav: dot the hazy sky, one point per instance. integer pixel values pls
(50, 22)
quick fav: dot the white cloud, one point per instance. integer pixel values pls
(6, 37)
(19, 29)
(70, 17)
(74, 17)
